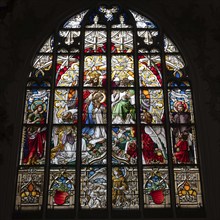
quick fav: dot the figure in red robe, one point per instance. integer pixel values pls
(149, 149)
(182, 149)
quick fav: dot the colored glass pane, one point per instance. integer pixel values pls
(61, 193)
(156, 187)
(187, 187)
(48, 45)
(94, 146)
(29, 193)
(122, 23)
(95, 71)
(184, 144)
(41, 66)
(65, 106)
(75, 21)
(125, 188)
(68, 41)
(36, 108)
(152, 106)
(124, 146)
(95, 42)
(122, 41)
(122, 71)
(95, 23)
(123, 106)
(148, 37)
(67, 70)
(154, 148)
(93, 189)
(141, 21)
(169, 46)
(94, 107)
(175, 66)
(150, 70)
(34, 140)
(180, 105)
(63, 145)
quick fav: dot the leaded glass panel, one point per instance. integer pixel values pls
(108, 123)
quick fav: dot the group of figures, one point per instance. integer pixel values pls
(63, 145)
(94, 134)
(124, 146)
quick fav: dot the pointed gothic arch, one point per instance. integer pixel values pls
(108, 105)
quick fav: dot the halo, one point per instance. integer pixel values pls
(104, 98)
(177, 103)
(36, 103)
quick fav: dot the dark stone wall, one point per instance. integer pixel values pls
(194, 26)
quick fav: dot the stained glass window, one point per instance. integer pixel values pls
(108, 120)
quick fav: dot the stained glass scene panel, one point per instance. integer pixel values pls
(34, 140)
(93, 188)
(94, 147)
(152, 106)
(94, 107)
(63, 145)
(175, 66)
(95, 71)
(150, 70)
(36, 107)
(123, 106)
(187, 187)
(67, 70)
(154, 148)
(121, 41)
(61, 193)
(48, 45)
(125, 188)
(29, 193)
(124, 146)
(184, 144)
(156, 187)
(122, 68)
(41, 66)
(65, 106)
(180, 105)
(95, 41)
